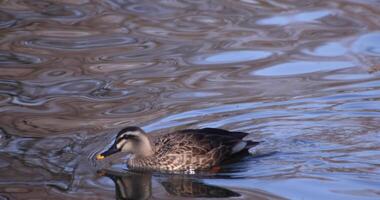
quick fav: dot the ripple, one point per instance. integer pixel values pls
(78, 86)
(144, 8)
(299, 17)
(73, 87)
(302, 67)
(63, 33)
(130, 108)
(114, 67)
(107, 93)
(372, 106)
(329, 50)
(188, 117)
(56, 10)
(133, 53)
(368, 44)
(194, 94)
(155, 31)
(41, 10)
(349, 76)
(73, 72)
(5, 98)
(148, 9)
(204, 19)
(10, 58)
(56, 73)
(228, 57)
(197, 24)
(356, 86)
(10, 87)
(6, 20)
(81, 43)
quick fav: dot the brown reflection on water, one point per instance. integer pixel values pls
(302, 76)
(137, 185)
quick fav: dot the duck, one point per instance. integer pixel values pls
(181, 150)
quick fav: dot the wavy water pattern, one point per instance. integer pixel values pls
(300, 76)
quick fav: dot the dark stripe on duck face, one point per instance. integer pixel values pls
(129, 129)
(131, 137)
(128, 137)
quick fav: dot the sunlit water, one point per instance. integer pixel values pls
(300, 76)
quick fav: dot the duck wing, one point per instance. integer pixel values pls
(198, 148)
(217, 132)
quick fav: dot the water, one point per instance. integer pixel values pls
(301, 76)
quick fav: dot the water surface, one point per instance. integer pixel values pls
(301, 76)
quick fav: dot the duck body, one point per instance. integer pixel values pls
(191, 149)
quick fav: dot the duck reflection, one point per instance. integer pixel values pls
(189, 187)
(130, 185)
(138, 185)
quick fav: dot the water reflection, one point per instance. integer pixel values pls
(302, 67)
(349, 76)
(7, 58)
(138, 185)
(368, 44)
(330, 50)
(298, 17)
(79, 43)
(230, 57)
(190, 187)
(131, 185)
(303, 76)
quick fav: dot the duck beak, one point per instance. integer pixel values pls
(109, 152)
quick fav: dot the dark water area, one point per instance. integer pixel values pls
(301, 76)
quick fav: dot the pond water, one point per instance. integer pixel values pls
(300, 76)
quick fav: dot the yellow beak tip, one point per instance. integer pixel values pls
(99, 157)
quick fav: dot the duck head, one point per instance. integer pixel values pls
(130, 140)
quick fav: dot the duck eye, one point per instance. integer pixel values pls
(130, 137)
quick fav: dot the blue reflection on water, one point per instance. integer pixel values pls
(230, 57)
(328, 50)
(302, 67)
(300, 17)
(368, 44)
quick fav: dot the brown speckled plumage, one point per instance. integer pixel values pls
(191, 149)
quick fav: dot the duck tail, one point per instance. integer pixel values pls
(251, 144)
(243, 145)
(238, 147)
